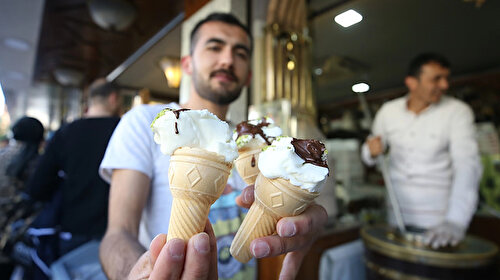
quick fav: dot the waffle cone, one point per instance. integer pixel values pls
(274, 199)
(246, 164)
(197, 179)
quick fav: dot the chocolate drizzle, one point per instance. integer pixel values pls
(253, 161)
(246, 128)
(176, 113)
(310, 150)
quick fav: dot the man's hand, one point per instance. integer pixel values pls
(172, 260)
(295, 235)
(443, 235)
(375, 146)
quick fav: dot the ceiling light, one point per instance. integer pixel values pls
(348, 18)
(16, 44)
(68, 76)
(172, 69)
(112, 14)
(360, 87)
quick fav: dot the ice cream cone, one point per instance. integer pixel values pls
(246, 164)
(274, 199)
(197, 179)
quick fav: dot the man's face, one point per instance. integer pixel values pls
(431, 84)
(220, 62)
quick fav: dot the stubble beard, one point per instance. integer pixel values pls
(220, 96)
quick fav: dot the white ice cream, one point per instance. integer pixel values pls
(247, 140)
(196, 129)
(280, 161)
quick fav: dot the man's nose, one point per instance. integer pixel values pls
(444, 84)
(226, 58)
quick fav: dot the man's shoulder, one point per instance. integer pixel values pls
(148, 111)
(451, 101)
(394, 104)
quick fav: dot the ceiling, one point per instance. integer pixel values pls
(61, 33)
(378, 49)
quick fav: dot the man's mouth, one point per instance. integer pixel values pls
(224, 75)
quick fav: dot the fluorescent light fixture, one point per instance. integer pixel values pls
(360, 87)
(16, 44)
(348, 18)
(2, 101)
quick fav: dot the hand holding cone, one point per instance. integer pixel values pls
(303, 164)
(274, 199)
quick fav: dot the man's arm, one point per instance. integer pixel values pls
(376, 143)
(467, 168)
(120, 248)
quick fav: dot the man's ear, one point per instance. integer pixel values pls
(186, 64)
(112, 98)
(411, 83)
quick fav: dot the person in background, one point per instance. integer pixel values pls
(18, 158)
(434, 159)
(17, 162)
(70, 166)
(140, 200)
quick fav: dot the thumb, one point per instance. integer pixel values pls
(155, 247)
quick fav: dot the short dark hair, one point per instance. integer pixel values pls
(102, 89)
(420, 60)
(222, 17)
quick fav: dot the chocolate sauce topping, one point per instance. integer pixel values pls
(250, 129)
(310, 150)
(178, 111)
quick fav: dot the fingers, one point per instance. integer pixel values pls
(291, 264)
(156, 246)
(295, 233)
(246, 198)
(310, 221)
(197, 257)
(170, 261)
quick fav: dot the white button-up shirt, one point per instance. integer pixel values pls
(433, 160)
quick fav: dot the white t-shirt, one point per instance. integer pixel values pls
(132, 147)
(434, 160)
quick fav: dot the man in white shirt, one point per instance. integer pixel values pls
(434, 160)
(139, 207)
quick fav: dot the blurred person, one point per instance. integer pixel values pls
(17, 161)
(434, 160)
(140, 199)
(18, 158)
(69, 169)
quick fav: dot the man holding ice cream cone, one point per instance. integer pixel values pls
(140, 199)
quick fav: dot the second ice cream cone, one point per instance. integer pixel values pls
(246, 164)
(197, 178)
(274, 199)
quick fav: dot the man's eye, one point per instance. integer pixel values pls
(242, 55)
(214, 48)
